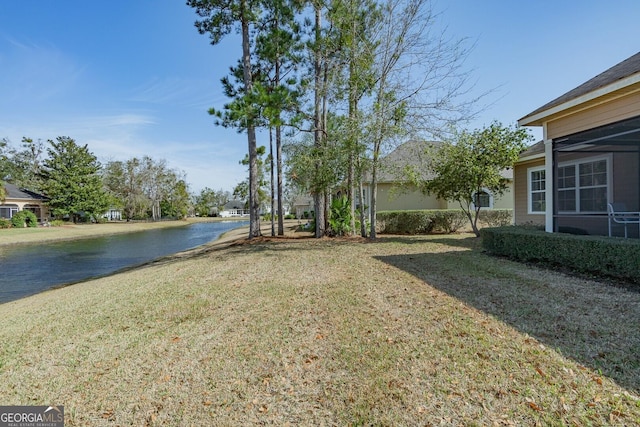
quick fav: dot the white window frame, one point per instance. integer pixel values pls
(484, 190)
(577, 163)
(12, 208)
(530, 190)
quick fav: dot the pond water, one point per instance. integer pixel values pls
(29, 269)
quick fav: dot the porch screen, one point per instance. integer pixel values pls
(594, 168)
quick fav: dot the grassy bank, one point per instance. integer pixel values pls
(13, 236)
(405, 331)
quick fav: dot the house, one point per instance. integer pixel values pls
(17, 199)
(589, 155)
(393, 194)
(234, 208)
(303, 206)
(113, 214)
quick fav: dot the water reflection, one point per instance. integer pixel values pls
(29, 269)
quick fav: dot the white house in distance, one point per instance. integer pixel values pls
(234, 208)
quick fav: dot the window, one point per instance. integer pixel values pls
(483, 199)
(583, 186)
(7, 211)
(537, 190)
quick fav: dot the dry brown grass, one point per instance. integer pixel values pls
(404, 331)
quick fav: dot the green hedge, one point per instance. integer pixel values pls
(404, 222)
(435, 220)
(605, 256)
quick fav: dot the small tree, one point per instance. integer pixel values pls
(471, 164)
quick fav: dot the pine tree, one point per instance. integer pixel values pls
(72, 182)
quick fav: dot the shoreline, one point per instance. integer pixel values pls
(26, 236)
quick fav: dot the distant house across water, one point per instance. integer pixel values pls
(19, 199)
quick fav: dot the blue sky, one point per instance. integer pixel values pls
(134, 77)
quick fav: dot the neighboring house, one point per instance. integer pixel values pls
(18, 199)
(113, 214)
(589, 157)
(303, 204)
(394, 195)
(234, 208)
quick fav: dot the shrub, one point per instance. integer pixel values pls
(340, 216)
(57, 223)
(438, 220)
(308, 226)
(405, 222)
(605, 256)
(5, 223)
(496, 217)
(449, 220)
(289, 216)
(23, 219)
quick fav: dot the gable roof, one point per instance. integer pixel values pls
(14, 192)
(234, 204)
(533, 151)
(620, 77)
(410, 153)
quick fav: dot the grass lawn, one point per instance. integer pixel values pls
(422, 330)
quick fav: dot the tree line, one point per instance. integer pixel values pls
(79, 187)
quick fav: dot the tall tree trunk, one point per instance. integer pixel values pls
(353, 112)
(273, 200)
(374, 196)
(363, 218)
(279, 164)
(318, 194)
(254, 201)
(351, 193)
(278, 157)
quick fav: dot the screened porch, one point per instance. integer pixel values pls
(593, 169)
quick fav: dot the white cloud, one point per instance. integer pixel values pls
(178, 92)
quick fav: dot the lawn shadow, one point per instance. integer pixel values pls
(463, 240)
(593, 323)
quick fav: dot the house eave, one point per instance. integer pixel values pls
(530, 158)
(607, 93)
